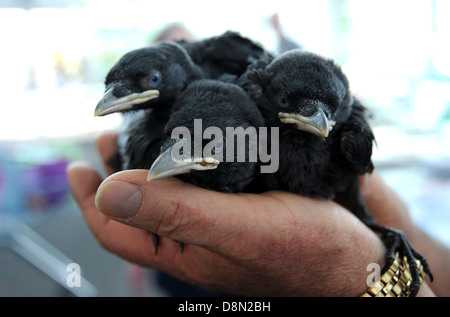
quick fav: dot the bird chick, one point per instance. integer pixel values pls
(148, 78)
(210, 112)
(152, 77)
(308, 98)
(325, 138)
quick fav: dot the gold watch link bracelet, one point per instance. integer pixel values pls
(396, 281)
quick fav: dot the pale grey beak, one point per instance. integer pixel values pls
(317, 124)
(168, 164)
(110, 103)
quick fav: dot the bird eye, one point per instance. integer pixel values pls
(218, 147)
(155, 80)
(282, 101)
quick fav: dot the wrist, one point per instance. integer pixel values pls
(372, 263)
(362, 264)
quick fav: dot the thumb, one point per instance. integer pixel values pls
(176, 210)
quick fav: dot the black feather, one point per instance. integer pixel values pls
(229, 53)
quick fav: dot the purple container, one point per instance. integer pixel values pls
(46, 184)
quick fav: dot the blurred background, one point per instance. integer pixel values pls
(54, 56)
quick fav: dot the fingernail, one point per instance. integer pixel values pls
(119, 199)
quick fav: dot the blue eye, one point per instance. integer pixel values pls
(155, 80)
(282, 101)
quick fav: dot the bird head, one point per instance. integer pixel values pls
(149, 77)
(219, 106)
(305, 91)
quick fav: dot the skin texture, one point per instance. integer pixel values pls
(268, 244)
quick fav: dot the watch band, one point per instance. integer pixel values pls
(396, 281)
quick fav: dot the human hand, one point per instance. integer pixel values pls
(275, 244)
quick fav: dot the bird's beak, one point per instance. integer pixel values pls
(110, 103)
(317, 124)
(166, 165)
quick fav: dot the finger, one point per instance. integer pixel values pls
(107, 148)
(84, 181)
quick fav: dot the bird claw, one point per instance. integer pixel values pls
(181, 244)
(396, 241)
(155, 240)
